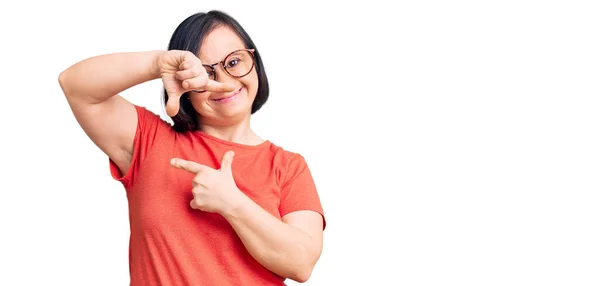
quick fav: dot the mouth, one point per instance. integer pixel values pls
(228, 97)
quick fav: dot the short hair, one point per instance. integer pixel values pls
(188, 36)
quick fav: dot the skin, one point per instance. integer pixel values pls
(289, 247)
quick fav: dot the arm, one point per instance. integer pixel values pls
(289, 248)
(91, 88)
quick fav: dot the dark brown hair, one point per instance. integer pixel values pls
(188, 37)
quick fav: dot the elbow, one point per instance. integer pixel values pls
(302, 274)
(66, 82)
(305, 263)
(62, 77)
(62, 81)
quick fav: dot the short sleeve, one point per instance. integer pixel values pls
(148, 128)
(299, 191)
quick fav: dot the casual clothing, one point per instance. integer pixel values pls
(173, 244)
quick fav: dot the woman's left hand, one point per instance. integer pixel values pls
(213, 190)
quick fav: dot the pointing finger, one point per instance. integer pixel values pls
(198, 82)
(189, 166)
(216, 86)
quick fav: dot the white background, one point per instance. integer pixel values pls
(453, 142)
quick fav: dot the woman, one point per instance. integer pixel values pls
(197, 215)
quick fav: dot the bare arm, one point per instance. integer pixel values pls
(290, 248)
(91, 88)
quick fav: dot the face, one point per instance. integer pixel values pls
(225, 107)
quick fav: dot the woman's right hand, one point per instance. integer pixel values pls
(182, 71)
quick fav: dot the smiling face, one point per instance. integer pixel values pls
(217, 108)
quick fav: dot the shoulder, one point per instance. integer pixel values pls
(286, 156)
(289, 162)
(146, 115)
(151, 126)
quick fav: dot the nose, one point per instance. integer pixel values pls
(223, 77)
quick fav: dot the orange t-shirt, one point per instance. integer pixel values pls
(173, 244)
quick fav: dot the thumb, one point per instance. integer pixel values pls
(173, 104)
(227, 161)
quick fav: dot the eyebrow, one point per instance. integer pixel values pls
(223, 58)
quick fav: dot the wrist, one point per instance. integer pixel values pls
(236, 205)
(155, 68)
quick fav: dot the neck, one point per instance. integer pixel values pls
(239, 132)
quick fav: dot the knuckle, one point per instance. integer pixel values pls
(203, 80)
(194, 84)
(196, 191)
(192, 57)
(197, 70)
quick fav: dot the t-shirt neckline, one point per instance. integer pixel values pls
(233, 144)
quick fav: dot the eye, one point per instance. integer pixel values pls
(210, 72)
(232, 63)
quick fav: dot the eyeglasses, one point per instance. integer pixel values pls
(237, 64)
